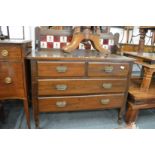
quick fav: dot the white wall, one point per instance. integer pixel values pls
(16, 32)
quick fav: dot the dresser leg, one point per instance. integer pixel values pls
(36, 114)
(120, 116)
(27, 113)
(37, 124)
(2, 114)
(131, 115)
(119, 119)
(36, 117)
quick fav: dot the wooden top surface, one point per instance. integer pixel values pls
(76, 55)
(136, 94)
(14, 41)
(144, 55)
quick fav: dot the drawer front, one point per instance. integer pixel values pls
(11, 79)
(80, 86)
(108, 69)
(72, 103)
(60, 69)
(10, 52)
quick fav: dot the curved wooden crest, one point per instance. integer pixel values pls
(86, 34)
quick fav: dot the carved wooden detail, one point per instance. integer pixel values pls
(86, 33)
(146, 79)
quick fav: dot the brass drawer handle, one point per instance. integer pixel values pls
(108, 69)
(107, 85)
(122, 67)
(61, 104)
(4, 53)
(105, 101)
(61, 69)
(8, 80)
(61, 87)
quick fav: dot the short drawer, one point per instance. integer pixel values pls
(10, 52)
(60, 69)
(89, 102)
(11, 80)
(80, 86)
(108, 69)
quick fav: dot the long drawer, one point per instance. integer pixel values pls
(71, 103)
(10, 52)
(108, 69)
(60, 69)
(80, 86)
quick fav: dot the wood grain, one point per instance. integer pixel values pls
(51, 69)
(80, 86)
(14, 52)
(14, 71)
(101, 69)
(14, 81)
(73, 103)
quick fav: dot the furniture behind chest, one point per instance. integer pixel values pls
(81, 80)
(13, 71)
(142, 90)
(141, 47)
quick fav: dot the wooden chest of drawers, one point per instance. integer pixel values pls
(81, 80)
(13, 75)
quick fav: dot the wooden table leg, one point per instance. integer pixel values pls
(131, 115)
(146, 79)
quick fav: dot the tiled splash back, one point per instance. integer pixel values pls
(58, 42)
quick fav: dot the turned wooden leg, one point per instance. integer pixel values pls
(146, 79)
(131, 115)
(142, 40)
(27, 113)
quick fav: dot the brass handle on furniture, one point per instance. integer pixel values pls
(107, 85)
(8, 80)
(122, 67)
(4, 53)
(105, 101)
(61, 69)
(61, 87)
(61, 104)
(108, 69)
